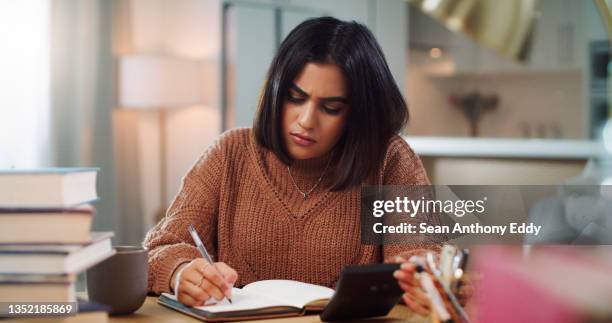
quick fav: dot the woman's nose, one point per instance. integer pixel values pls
(307, 117)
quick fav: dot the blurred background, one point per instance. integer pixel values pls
(499, 92)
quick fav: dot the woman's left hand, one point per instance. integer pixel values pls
(414, 297)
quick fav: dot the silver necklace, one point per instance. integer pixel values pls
(305, 194)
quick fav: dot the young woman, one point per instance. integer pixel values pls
(282, 200)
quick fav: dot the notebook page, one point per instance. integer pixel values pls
(289, 292)
(241, 300)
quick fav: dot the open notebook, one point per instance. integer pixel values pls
(262, 299)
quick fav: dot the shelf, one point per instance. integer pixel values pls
(504, 148)
(505, 73)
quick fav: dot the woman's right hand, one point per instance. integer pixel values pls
(199, 281)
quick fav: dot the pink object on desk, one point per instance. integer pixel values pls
(506, 295)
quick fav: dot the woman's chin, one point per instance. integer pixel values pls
(300, 154)
(302, 157)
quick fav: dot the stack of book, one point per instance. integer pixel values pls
(45, 233)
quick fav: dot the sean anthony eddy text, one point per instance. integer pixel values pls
(474, 228)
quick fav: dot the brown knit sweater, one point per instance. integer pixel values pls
(241, 200)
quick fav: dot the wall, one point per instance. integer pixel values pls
(496, 171)
(548, 104)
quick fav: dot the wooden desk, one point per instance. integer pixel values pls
(153, 312)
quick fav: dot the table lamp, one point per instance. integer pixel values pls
(159, 82)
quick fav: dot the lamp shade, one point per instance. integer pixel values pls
(159, 82)
(505, 26)
(185, 28)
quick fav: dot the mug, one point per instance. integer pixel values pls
(120, 281)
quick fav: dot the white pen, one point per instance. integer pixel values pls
(430, 289)
(433, 294)
(202, 249)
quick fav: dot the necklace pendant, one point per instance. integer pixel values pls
(305, 194)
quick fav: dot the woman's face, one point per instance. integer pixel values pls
(314, 111)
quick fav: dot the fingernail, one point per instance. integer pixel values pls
(398, 274)
(407, 265)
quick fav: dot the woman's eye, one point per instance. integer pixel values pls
(332, 111)
(295, 99)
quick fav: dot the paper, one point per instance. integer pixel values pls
(241, 300)
(267, 293)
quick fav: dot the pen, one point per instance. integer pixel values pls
(433, 294)
(202, 249)
(434, 269)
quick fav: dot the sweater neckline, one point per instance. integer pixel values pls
(307, 168)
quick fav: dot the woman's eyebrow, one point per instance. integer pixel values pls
(335, 99)
(298, 90)
(327, 99)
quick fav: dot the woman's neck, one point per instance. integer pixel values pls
(312, 164)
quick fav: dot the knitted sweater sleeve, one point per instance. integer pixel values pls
(169, 243)
(402, 166)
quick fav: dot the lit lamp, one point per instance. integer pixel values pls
(505, 26)
(159, 82)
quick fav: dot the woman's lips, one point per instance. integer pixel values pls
(301, 140)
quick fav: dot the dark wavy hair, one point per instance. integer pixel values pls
(377, 108)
